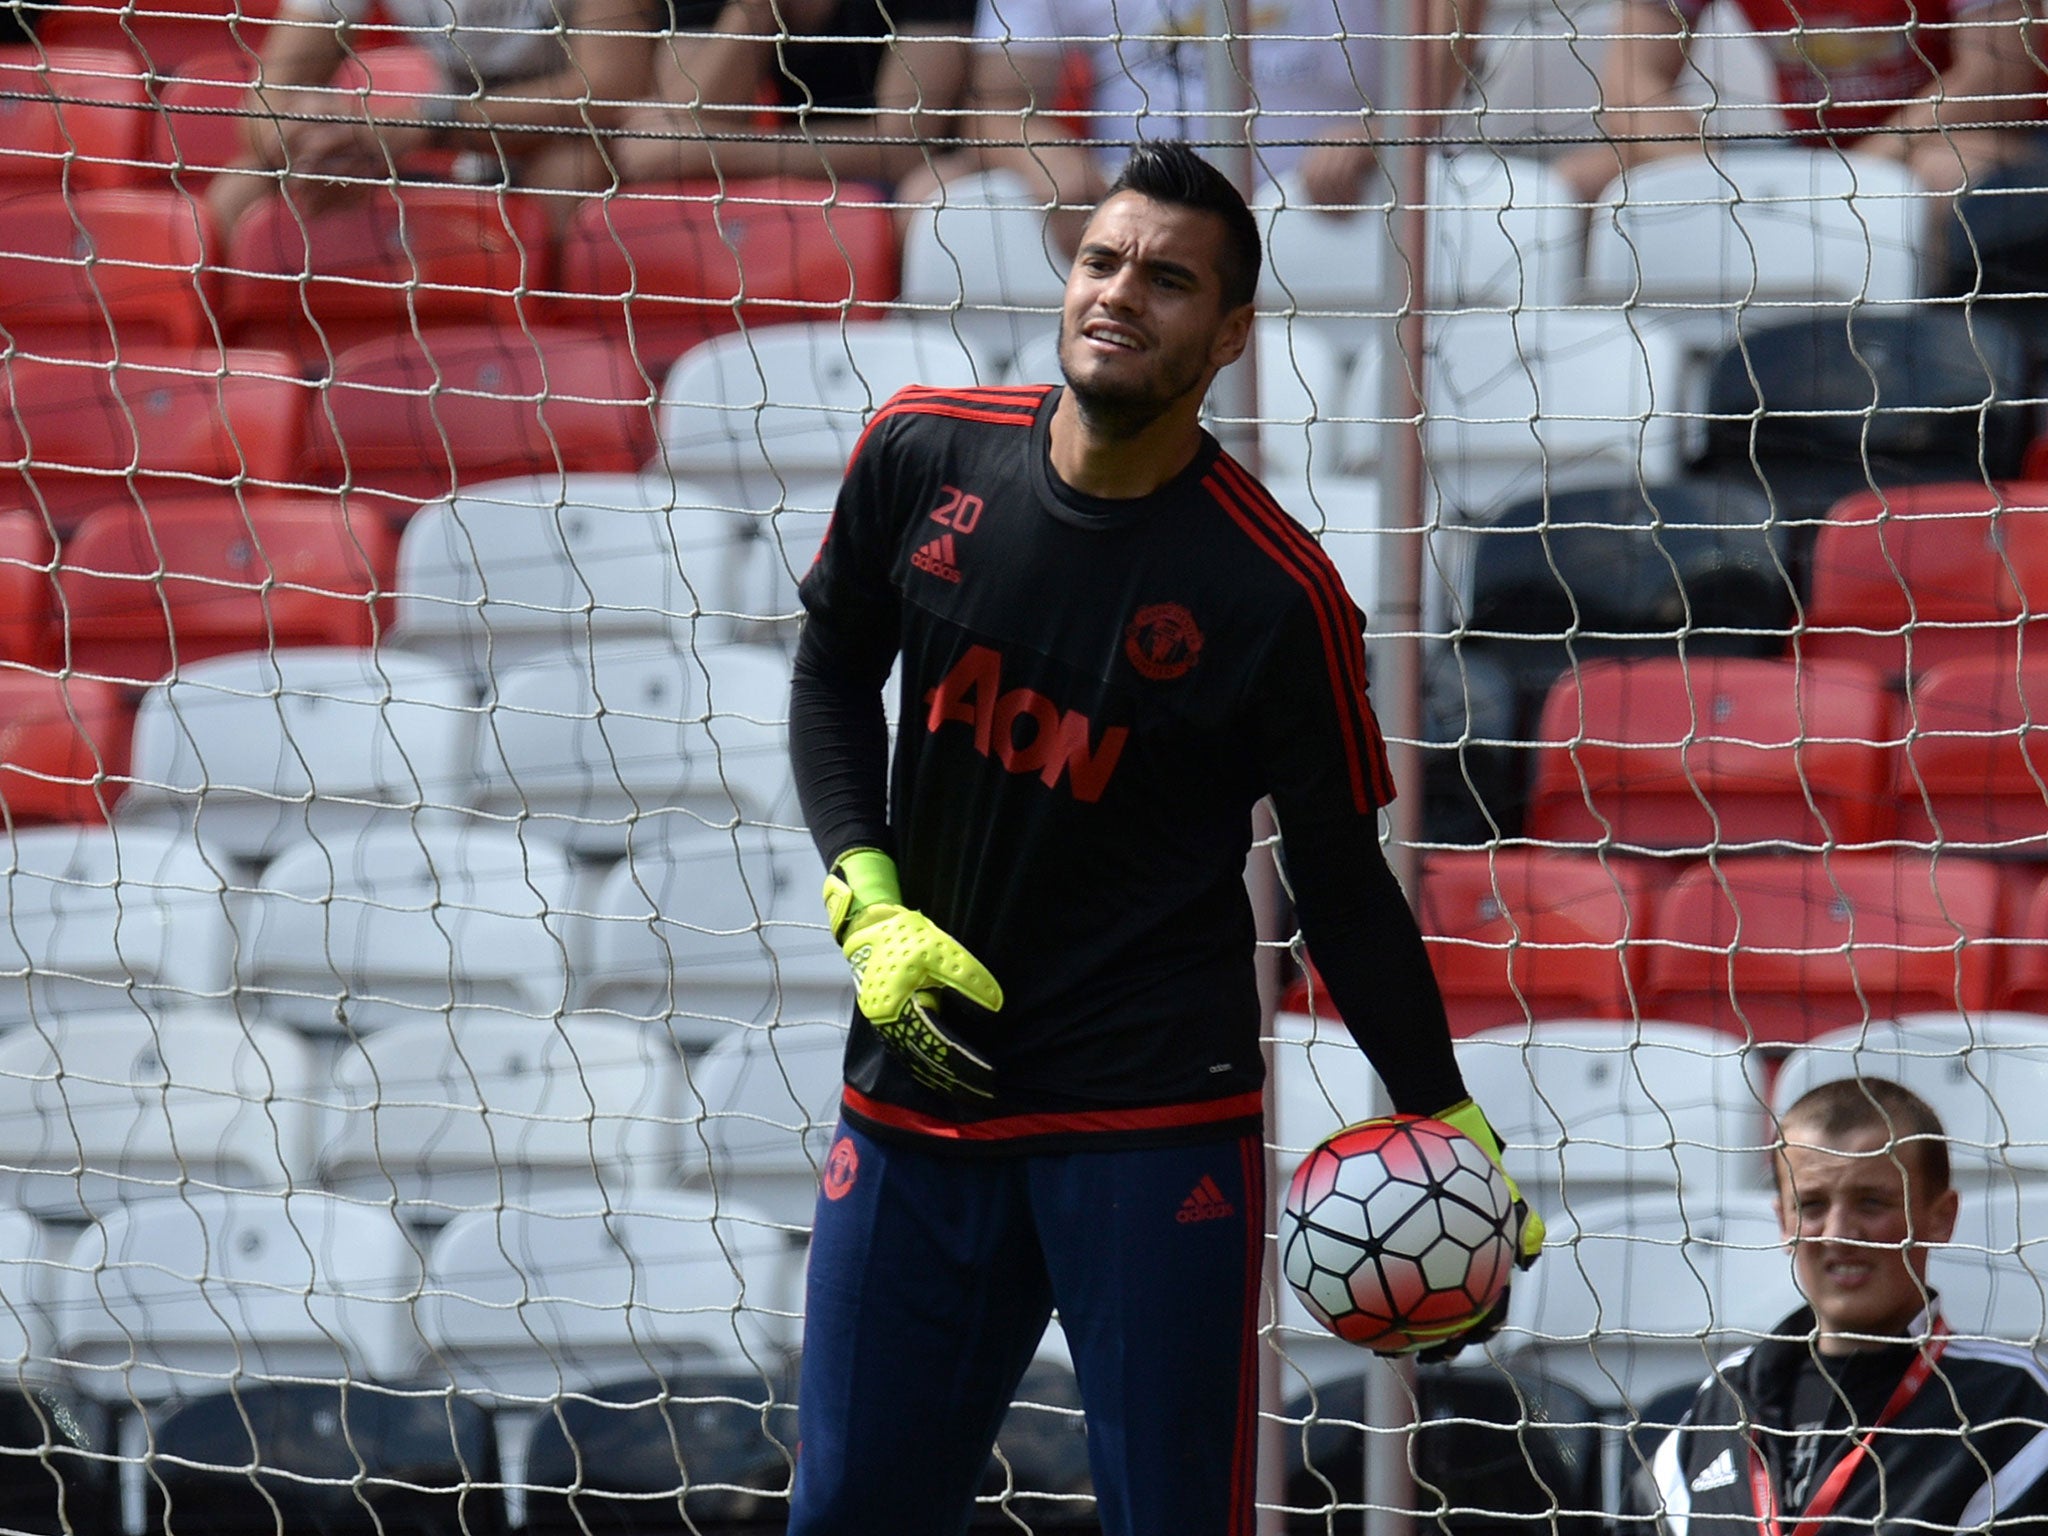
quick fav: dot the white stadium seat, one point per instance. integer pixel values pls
(762, 423)
(106, 917)
(547, 567)
(698, 930)
(1504, 233)
(769, 1099)
(980, 259)
(1985, 1075)
(1605, 1109)
(1631, 1299)
(485, 1108)
(30, 1258)
(1993, 1276)
(585, 750)
(100, 1108)
(1326, 269)
(1548, 400)
(567, 1292)
(402, 923)
(254, 750)
(194, 1293)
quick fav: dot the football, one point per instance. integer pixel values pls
(1397, 1233)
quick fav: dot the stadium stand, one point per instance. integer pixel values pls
(29, 624)
(253, 751)
(460, 1113)
(362, 1459)
(1627, 570)
(404, 259)
(2026, 984)
(1780, 949)
(699, 928)
(101, 1108)
(55, 1475)
(64, 746)
(407, 921)
(411, 417)
(1527, 933)
(85, 272)
(72, 114)
(1650, 1298)
(549, 567)
(586, 754)
(99, 918)
(147, 591)
(670, 266)
(165, 34)
(197, 1293)
(1981, 1073)
(981, 260)
(1912, 576)
(1716, 752)
(152, 426)
(1974, 771)
(765, 1103)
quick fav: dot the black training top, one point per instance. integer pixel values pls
(1095, 695)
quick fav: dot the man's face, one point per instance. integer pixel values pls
(1847, 1210)
(1144, 325)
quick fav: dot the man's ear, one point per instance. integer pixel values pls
(1233, 337)
(1941, 1218)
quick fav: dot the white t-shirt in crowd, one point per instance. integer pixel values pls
(497, 41)
(1314, 66)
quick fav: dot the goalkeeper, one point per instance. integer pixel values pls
(1113, 644)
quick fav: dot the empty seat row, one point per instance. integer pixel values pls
(1772, 949)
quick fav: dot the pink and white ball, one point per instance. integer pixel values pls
(1397, 1233)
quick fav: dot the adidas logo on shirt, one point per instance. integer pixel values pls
(1206, 1203)
(936, 559)
(1720, 1473)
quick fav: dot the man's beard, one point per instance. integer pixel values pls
(1121, 412)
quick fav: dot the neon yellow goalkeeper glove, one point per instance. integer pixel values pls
(1468, 1117)
(900, 959)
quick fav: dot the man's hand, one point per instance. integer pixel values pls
(900, 960)
(1467, 1117)
(1334, 173)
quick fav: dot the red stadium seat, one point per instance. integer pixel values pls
(27, 614)
(1956, 570)
(216, 577)
(80, 271)
(63, 746)
(197, 131)
(2026, 986)
(1522, 934)
(77, 435)
(70, 116)
(409, 418)
(1976, 761)
(1782, 948)
(1715, 751)
(167, 33)
(672, 256)
(391, 260)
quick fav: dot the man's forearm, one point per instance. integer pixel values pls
(839, 751)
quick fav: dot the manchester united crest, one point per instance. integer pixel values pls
(1163, 642)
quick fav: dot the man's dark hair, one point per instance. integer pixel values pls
(1878, 1106)
(1168, 171)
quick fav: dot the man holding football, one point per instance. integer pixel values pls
(1113, 644)
(1861, 1411)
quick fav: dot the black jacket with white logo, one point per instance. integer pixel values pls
(1968, 1452)
(1095, 694)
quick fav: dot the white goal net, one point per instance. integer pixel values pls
(419, 1042)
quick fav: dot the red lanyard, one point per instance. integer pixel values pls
(1829, 1494)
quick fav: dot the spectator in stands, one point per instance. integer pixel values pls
(529, 87)
(1861, 1409)
(1313, 67)
(801, 87)
(1949, 87)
